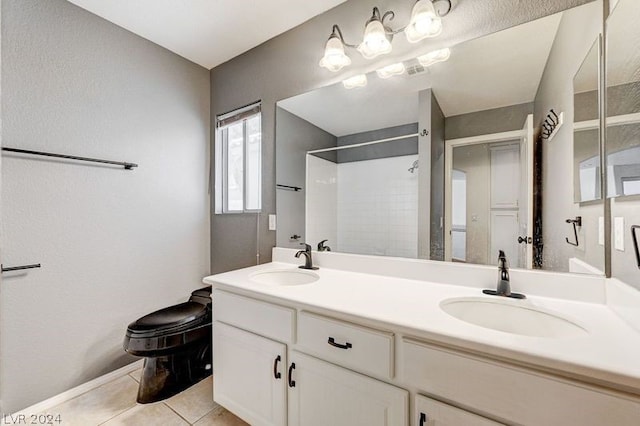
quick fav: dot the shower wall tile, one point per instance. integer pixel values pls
(377, 210)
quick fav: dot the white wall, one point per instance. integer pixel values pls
(378, 207)
(113, 244)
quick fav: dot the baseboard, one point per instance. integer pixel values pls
(79, 390)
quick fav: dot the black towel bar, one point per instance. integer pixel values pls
(289, 188)
(19, 268)
(127, 166)
(635, 243)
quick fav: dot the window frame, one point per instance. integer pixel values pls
(223, 123)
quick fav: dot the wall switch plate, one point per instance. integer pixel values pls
(272, 222)
(618, 232)
(601, 230)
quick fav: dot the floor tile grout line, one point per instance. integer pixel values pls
(178, 414)
(217, 407)
(122, 412)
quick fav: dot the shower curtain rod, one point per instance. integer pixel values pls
(356, 145)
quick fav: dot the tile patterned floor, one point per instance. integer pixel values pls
(114, 403)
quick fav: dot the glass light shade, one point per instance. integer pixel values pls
(334, 58)
(375, 40)
(434, 57)
(391, 70)
(359, 80)
(424, 22)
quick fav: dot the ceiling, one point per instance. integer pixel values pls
(501, 69)
(207, 32)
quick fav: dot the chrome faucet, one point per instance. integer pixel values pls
(504, 284)
(308, 262)
(322, 247)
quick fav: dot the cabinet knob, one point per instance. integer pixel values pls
(276, 373)
(292, 383)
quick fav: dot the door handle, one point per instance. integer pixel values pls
(526, 240)
(276, 373)
(292, 383)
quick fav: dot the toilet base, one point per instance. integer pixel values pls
(165, 376)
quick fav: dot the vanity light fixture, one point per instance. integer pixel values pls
(434, 57)
(391, 70)
(359, 80)
(425, 22)
(334, 58)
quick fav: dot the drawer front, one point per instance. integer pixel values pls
(265, 319)
(356, 347)
(429, 412)
(513, 394)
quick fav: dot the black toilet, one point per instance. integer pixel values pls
(176, 344)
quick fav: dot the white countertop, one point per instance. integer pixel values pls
(609, 354)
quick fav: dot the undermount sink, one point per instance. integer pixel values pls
(285, 277)
(510, 316)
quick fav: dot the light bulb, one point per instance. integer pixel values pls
(434, 57)
(334, 58)
(359, 80)
(375, 41)
(424, 22)
(391, 70)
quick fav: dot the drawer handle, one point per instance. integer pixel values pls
(292, 383)
(333, 343)
(276, 373)
(423, 419)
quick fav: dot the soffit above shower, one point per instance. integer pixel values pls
(207, 32)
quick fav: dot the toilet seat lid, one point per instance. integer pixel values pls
(170, 317)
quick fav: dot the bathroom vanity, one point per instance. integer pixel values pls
(366, 340)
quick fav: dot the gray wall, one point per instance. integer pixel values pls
(396, 148)
(114, 244)
(295, 137)
(287, 65)
(489, 121)
(578, 30)
(437, 181)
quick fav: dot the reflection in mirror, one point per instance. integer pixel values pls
(623, 100)
(443, 162)
(586, 128)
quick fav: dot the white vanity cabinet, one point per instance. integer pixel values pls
(322, 394)
(250, 340)
(429, 412)
(250, 375)
(286, 365)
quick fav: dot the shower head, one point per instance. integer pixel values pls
(413, 167)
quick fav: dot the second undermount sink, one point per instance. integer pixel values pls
(511, 316)
(285, 277)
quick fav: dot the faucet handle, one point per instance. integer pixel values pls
(307, 247)
(502, 260)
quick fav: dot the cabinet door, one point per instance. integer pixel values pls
(322, 394)
(429, 412)
(249, 375)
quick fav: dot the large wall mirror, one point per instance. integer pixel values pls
(623, 137)
(623, 100)
(445, 161)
